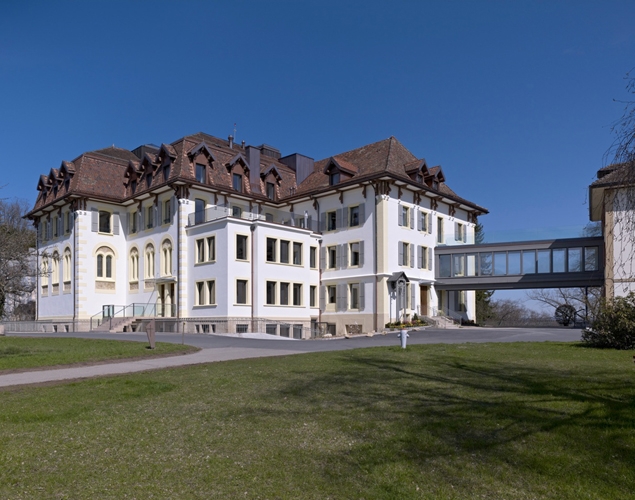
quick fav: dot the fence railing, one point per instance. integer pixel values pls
(110, 313)
(47, 326)
(276, 216)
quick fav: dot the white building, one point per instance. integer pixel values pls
(213, 234)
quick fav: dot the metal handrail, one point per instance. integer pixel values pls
(134, 310)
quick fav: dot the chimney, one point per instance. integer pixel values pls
(231, 141)
(253, 158)
(302, 165)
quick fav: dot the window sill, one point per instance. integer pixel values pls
(104, 234)
(203, 306)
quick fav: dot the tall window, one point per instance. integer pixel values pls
(440, 236)
(271, 249)
(199, 211)
(133, 222)
(45, 271)
(241, 291)
(331, 292)
(271, 292)
(284, 251)
(354, 295)
(134, 265)
(67, 265)
(105, 263)
(297, 294)
(353, 216)
(68, 219)
(312, 294)
(149, 262)
(331, 221)
(166, 258)
(166, 172)
(271, 191)
(284, 294)
(167, 211)
(313, 257)
(237, 182)
(200, 173)
(150, 217)
(200, 251)
(354, 253)
(405, 216)
(104, 222)
(332, 257)
(211, 248)
(55, 270)
(241, 247)
(334, 178)
(297, 254)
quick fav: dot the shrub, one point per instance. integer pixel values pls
(614, 325)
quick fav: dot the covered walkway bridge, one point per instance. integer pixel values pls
(560, 263)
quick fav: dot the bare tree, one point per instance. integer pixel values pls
(585, 301)
(506, 312)
(18, 263)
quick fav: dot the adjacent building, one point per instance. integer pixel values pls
(214, 233)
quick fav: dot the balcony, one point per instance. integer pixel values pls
(272, 215)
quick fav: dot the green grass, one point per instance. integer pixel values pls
(497, 421)
(27, 353)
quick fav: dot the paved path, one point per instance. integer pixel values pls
(224, 348)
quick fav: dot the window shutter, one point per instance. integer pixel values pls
(428, 223)
(322, 222)
(399, 217)
(413, 295)
(115, 223)
(362, 300)
(94, 220)
(412, 218)
(419, 257)
(344, 256)
(322, 258)
(400, 243)
(429, 258)
(361, 253)
(338, 219)
(411, 254)
(347, 216)
(337, 256)
(419, 220)
(322, 297)
(173, 203)
(49, 226)
(128, 222)
(457, 236)
(362, 213)
(60, 226)
(344, 296)
(141, 219)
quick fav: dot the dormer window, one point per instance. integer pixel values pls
(148, 180)
(237, 182)
(271, 191)
(166, 172)
(334, 178)
(133, 186)
(200, 173)
(435, 184)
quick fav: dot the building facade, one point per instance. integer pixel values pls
(203, 228)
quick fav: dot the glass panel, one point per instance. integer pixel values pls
(513, 262)
(544, 261)
(444, 266)
(529, 261)
(500, 263)
(471, 264)
(486, 264)
(458, 265)
(591, 259)
(575, 260)
(559, 259)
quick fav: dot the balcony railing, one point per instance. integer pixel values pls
(268, 215)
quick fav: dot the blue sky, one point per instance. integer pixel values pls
(515, 99)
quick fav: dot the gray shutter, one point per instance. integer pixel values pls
(430, 258)
(142, 217)
(322, 258)
(344, 256)
(362, 213)
(413, 295)
(50, 230)
(400, 243)
(129, 221)
(173, 203)
(322, 297)
(337, 256)
(412, 218)
(399, 218)
(362, 301)
(419, 257)
(155, 215)
(115, 223)
(338, 219)
(456, 231)
(361, 253)
(411, 254)
(344, 296)
(322, 222)
(347, 216)
(94, 220)
(58, 221)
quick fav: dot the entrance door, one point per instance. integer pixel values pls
(423, 299)
(165, 300)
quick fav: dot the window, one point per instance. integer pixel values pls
(334, 178)
(354, 253)
(211, 248)
(199, 211)
(353, 290)
(166, 257)
(312, 293)
(200, 251)
(237, 182)
(332, 257)
(284, 294)
(148, 180)
(133, 222)
(353, 216)
(284, 251)
(211, 292)
(423, 222)
(104, 263)
(271, 249)
(313, 257)
(200, 293)
(241, 247)
(297, 254)
(271, 191)
(241, 291)
(423, 258)
(331, 291)
(55, 269)
(67, 265)
(205, 293)
(200, 173)
(331, 221)
(405, 216)
(133, 187)
(404, 253)
(271, 293)
(150, 217)
(440, 236)
(55, 228)
(45, 271)
(167, 211)
(68, 219)
(104, 222)
(237, 211)
(149, 262)
(166, 172)
(297, 294)
(134, 265)
(459, 232)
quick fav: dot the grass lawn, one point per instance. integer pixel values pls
(523, 420)
(30, 352)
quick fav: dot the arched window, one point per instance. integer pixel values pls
(45, 271)
(134, 265)
(55, 269)
(166, 258)
(149, 262)
(67, 265)
(105, 264)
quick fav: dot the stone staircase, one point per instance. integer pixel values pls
(116, 325)
(444, 322)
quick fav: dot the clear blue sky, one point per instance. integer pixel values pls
(515, 99)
